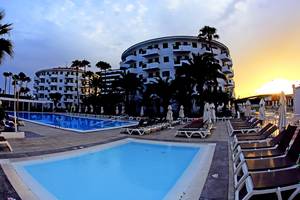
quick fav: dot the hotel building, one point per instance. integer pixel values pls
(162, 56)
(62, 80)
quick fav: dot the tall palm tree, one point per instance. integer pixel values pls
(85, 64)
(130, 84)
(6, 75)
(77, 64)
(6, 46)
(103, 66)
(208, 33)
(203, 73)
(9, 84)
(55, 97)
(163, 89)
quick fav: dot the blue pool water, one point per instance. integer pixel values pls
(81, 124)
(132, 171)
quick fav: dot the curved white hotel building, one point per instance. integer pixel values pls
(162, 56)
(59, 79)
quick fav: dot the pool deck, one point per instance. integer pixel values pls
(45, 140)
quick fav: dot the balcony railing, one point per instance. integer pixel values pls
(130, 59)
(153, 65)
(224, 57)
(151, 52)
(182, 48)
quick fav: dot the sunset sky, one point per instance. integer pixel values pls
(263, 35)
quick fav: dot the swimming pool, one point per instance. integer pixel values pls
(127, 169)
(74, 123)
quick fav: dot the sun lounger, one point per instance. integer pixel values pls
(270, 182)
(291, 160)
(264, 144)
(244, 129)
(262, 130)
(193, 129)
(250, 139)
(3, 141)
(281, 149)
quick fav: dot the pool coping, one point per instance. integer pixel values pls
(188, 186)
(132, 123)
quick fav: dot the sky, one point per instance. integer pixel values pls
(262, 35)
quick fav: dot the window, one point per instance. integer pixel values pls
(194, 44)
(165, 45)
(61, 72)
(166, 59)
(150, 75)
(166, 74)
(157, 74)
(156, 59)
(60, 88)
(60, 80)
(185, 43)
(156, 46)
(140, 63)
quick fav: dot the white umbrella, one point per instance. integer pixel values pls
(117, 110)
(73, 107)
(282, 112)
(169, 114)
(262, 110)
(206, 114)
(86, 109)
(213, 112)
(248, 109)
(142, 111)
(181, 112)
(123, 110)
(102, 110)
(91, 108)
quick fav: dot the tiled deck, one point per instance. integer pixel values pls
(44, 140)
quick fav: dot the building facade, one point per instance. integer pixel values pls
(110, 76)
(62, 80)
(162, 56)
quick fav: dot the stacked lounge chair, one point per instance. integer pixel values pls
(194, 129)
(238, 126)
(267, 167)
(146, 127)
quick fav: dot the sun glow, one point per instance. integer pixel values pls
(276, 86)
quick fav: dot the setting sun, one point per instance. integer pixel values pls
(276, 86)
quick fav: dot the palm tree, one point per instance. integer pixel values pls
(103, 66)
(208, 33)
(163, 89)
(6, 46)
(130, 84)
(6, 75)
(77, 64)
(85, 64)
(55, 97)
(9, 84)
(203, 73)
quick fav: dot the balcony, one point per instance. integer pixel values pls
(224, 57)
(150, 80)
(70, 84)
(230, 84)
(152, 66)
(180, 63)
(227, 70)
(182, 48)
(130, 59)
(151, 52)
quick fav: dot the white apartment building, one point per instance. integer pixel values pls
(59, 79)
(162, 56)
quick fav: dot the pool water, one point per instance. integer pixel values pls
(133, 170)
(81, 124)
